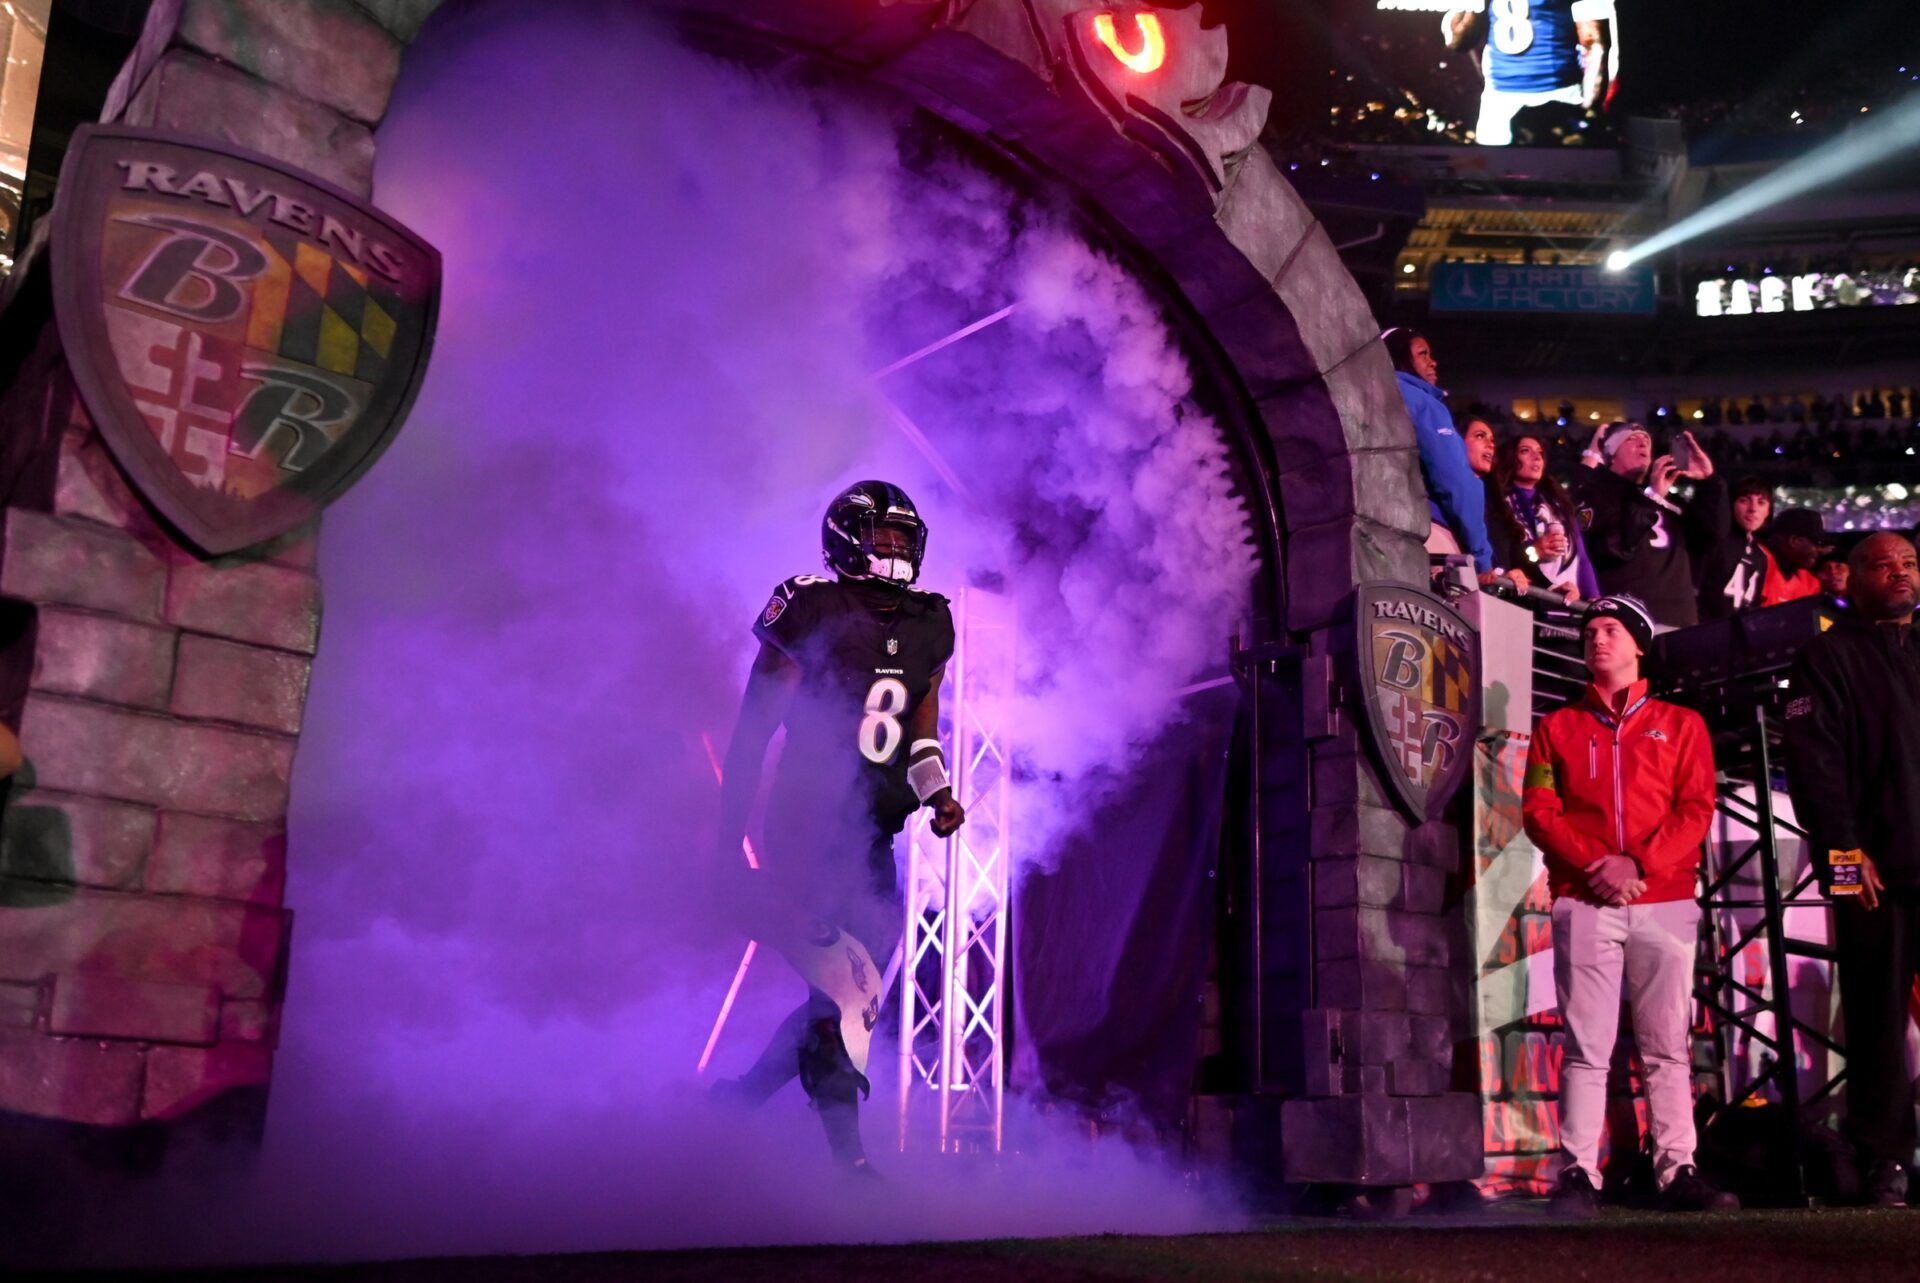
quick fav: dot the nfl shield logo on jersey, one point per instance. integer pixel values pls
(1420, 680)
(893, 645)
(247, 338)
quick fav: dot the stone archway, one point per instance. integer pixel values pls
(160, 694)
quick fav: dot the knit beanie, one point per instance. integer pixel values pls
(1633, 616)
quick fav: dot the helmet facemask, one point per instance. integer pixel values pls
(901, 568)
(850, 535)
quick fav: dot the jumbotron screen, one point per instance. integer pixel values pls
(1553, 73)
(1486, 72)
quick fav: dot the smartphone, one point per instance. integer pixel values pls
(1682, 453)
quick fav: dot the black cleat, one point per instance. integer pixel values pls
(1689, 1191)
(1574, 1198)
(1887, 1185)
(826, 1070)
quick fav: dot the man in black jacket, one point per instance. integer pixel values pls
(1640, 539)
(1831, 571)
(1853, 764)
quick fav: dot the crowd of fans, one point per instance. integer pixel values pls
(1820, 410)
(1833, 445)
(1621, 517)
(1839, 95)
(1781, 449)
(1875, 426)
(1773, 434)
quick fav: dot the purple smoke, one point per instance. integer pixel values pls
(668, 287)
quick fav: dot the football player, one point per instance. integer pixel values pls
(1538, 52)
(851, 666)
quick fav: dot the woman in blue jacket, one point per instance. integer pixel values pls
(1455, 494)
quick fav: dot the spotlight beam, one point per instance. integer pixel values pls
(1890, 133)
(911, 431)
(937, 344)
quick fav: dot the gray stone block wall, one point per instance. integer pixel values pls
(1383, 1109)
(142, 852)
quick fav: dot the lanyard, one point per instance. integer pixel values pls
(1526, 506)
(1606, 716)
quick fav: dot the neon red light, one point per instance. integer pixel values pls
(713, 759)
(746, 959)
(1153, 42)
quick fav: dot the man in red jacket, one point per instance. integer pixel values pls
(1619, 797)
(1795, 542)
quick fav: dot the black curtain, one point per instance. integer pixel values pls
(1111, 946)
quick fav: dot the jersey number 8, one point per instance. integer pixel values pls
(1512, 28)
(880, 732)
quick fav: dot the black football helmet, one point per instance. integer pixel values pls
(856, 513)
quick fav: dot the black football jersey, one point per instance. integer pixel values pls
(867, 656)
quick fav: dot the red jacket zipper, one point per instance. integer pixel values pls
(1619, 792)
(1619, 789)
(1619, 795)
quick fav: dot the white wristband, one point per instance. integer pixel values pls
(928, 776)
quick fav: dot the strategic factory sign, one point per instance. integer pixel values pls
(247, 338)
(1420, 682)
(1505, 287)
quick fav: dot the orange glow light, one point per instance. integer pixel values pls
(1153, 42)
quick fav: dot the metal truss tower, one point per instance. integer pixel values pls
(1749, 896)
(953, 990)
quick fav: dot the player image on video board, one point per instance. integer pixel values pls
(1535, 53)
(1492, 72)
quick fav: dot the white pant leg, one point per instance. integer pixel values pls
(1498, 107)
(1588, 953)
(1661, 940)
(1497, 110)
